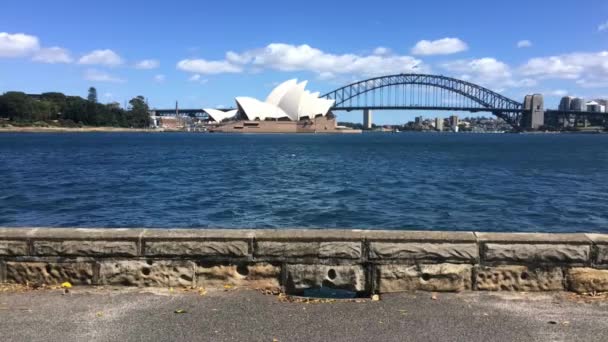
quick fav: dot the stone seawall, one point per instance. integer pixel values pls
(295, 260)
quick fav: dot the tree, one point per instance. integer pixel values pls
(139, 113)
(92, 95)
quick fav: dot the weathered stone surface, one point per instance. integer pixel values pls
(533, 238)
(519, 278)
(49, 273)
(418, 236)
(2, 272)
(342, 250)
(425, 251)
(234, 248)
(587, 280)
(256, 276)
(602, 254)
(438, 277)
(301, 277)
(147, 273)
(9, 247)
(86, 248)
(537, 253)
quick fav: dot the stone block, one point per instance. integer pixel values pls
(149, 273)
(10, 247)
(233, 248)
(519, 278)
(86, 248)
(425, 251)
(256, 276)
(437, 277)
(330, 249)
(537, 253)
(2, 272)
(302, 277)
(602, 254)
(587, 280)
(49, 273)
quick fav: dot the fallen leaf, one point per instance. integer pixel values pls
(180, 311)
(434, 297)
(66, 285)
(375, 298)
(99, 314)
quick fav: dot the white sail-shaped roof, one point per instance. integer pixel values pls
(277, 93)
(219, 115)
(290, 103)
(288, 100)
(255, 109)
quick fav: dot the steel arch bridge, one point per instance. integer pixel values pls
(425, 92)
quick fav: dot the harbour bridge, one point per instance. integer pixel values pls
(440, 93)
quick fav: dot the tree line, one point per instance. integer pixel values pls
(57, 108)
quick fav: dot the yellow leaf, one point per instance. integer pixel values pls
(180, 311)
(66, 285)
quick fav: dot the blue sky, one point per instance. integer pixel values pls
(204, 53)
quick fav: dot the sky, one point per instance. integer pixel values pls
(205, 53)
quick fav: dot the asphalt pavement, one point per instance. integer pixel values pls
(104, 314)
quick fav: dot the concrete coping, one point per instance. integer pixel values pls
(534, 238)
(598, 239)
(302, 235)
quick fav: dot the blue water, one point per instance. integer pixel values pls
(554, 183)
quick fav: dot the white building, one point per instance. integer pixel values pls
(290, 101)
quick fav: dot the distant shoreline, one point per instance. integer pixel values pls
(75, 130)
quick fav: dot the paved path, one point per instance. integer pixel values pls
(140, 315)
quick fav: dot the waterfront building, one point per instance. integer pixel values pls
(439, 124)
(289, 108)
(578, 104)
(566, 103)
(593, 106)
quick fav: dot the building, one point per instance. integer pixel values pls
(454, 123)
(439, 124)
(367, 119)
(594, 106)
(566, 103)
(578, 104)
(289, 108)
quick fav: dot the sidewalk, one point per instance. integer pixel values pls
(240, 315)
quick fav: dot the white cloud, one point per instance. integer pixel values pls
(101, 76)
(147, 64)
(17, 45)
(488, 72)
(159, 78)
(445, 46)
(202, 66)
(603, 27)
(382, 51)
(198, 79)
(575, 66)
(101, 57)
(53, 55)
(557, 93)
(524, 44)
(286, 57)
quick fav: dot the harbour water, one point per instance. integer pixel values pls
(483, 182)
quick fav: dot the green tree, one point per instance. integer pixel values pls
(139, 116)
(16, 106)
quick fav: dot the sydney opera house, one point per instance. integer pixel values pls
(289, 108)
